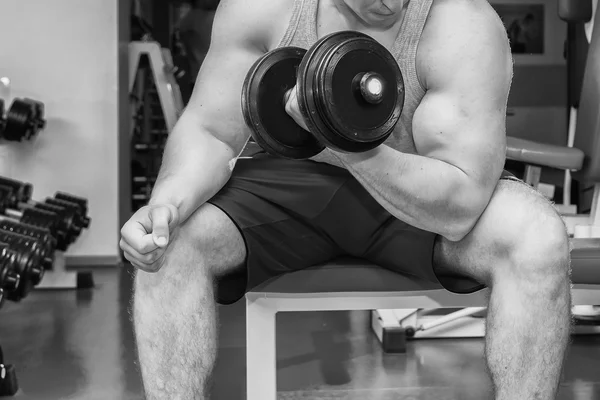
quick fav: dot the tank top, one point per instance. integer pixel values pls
(302, 32)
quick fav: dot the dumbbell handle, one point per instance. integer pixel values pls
(370, 85)
(13, 214)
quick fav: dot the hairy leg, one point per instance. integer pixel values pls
(175, 311)
(520, 249)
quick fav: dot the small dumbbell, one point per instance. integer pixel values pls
(24, 255)
(70, 220)
(67, 218)
(22, 191)
(39, 218)
(43, 236)
(56, 219)
(24, 119)
(80, 219)
(23, 194)
(82, 202)
(30, 254)
(9, 277)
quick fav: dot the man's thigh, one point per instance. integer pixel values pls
(514, 208)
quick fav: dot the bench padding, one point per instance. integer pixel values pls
(350, 275)
(544, 155)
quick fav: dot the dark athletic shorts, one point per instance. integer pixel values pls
(294, 214)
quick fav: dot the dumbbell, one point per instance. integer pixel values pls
(38, 218)
(24, 119)
(350, 91)
(80, 201)
(24, 191)
(67, 221)
(26, 255)
(9, 277)
(43, 237)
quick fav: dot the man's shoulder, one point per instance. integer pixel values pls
(462, 31)
(258, 20)
(464, 11)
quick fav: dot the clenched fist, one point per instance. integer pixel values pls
(146, 236)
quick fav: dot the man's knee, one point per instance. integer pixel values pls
(206, 245)
(210, 238)
(531, 236)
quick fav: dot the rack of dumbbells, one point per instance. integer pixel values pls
(157, 105)
(35, 234)
(26, 250)
(33, 238)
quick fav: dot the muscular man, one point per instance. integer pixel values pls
(432, 203)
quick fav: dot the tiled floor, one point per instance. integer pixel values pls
(79, 345)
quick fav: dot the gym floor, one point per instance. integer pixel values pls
(79, 345)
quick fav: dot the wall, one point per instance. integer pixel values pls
(538, 103)
(65, 53)
(538, 99)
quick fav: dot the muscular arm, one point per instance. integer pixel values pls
(459, 127)
(202, 148)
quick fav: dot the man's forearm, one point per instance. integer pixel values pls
(195, 167)
(424, 192)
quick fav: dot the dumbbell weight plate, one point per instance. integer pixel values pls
(329, 96)
(19, 119)
(39, 122)
(263, 106)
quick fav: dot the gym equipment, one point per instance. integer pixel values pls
(350, 91)
(9, 385)
(9, 278)
(166, 85)
(575, 11)
(39, 218)
(80, 201)
(26, 254)
(46, 241)
(263, 105)
(24, 119)
(22, 191)
(66, 220)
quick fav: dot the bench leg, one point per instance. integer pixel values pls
(261, 360)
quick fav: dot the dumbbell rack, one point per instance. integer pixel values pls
(157, 106)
